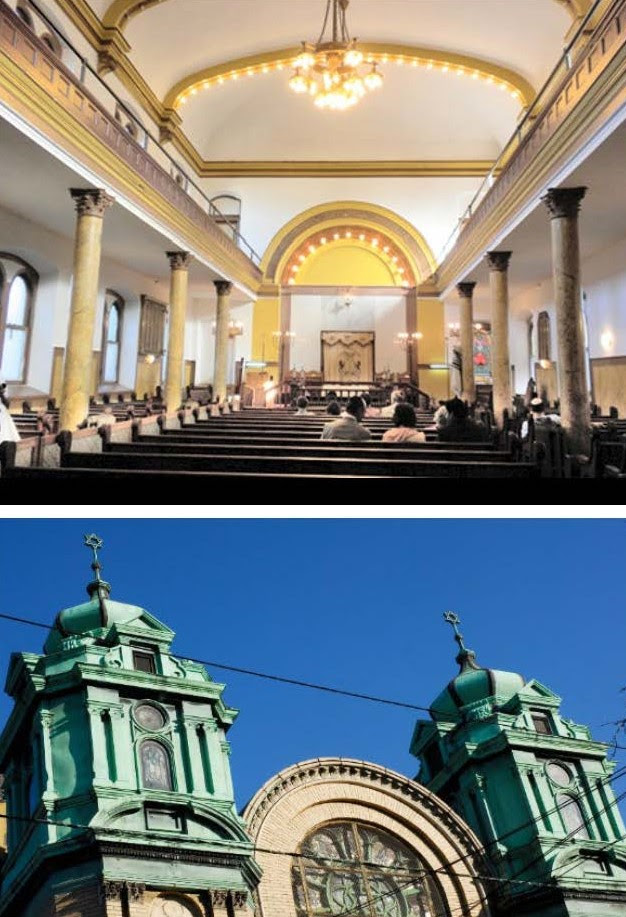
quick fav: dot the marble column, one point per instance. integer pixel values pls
(223, 288)
(499, 285)
(179, 276)
(91, 204)
(466, 291)
(564, 204)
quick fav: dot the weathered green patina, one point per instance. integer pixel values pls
(125, 745)
(533, 785)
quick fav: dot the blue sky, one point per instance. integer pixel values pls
(352, 603)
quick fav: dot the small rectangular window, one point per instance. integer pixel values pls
(542, 723)
(144, 661)
(164, 820)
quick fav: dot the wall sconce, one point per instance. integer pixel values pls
(454, 328)
(234, 328)
(545, 364)
(149, 358)
(607, 340)
(284, 335)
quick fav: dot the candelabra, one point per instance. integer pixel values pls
(234, 328)
(409, 343)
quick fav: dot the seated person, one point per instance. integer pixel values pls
(403, 430)
(541, 419)
(302, 405)
(348, 425)
(333, 408)
(370, 410)
(441, 416)
(461, 428)
(396, 398)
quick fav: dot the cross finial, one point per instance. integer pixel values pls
(92, 541)
(452, 618)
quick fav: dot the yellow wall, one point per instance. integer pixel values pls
(432, 347)
(265, 320)
(344, 263)
(3, 826)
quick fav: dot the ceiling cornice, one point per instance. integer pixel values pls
(392, 168)
(409, 56)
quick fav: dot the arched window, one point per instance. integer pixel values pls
(111, 336)
(572, 814)
(544, 344)
(18, 282)
(53, 43)
(370, 875)
(156, 771)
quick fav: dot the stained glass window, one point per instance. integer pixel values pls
(156, 773)
(558, 773)
(573, 817)
(361, 869)
(150, 717)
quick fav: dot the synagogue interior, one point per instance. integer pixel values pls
(219, 214)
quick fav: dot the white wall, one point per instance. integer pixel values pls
(432, 205)
(310, 315)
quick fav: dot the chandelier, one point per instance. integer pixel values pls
(329, 69)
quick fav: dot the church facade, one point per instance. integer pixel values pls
(119, 800)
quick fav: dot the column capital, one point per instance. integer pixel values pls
(466, 288)
(179, 261)
(223, 287)
(498, 261)
(91, 202)
(564, 202)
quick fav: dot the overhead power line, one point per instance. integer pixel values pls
(282, 679)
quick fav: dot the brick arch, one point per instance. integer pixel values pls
(310, 794)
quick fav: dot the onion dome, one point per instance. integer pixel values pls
(99, 612)
(474, 685)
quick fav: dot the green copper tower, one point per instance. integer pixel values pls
(117, 775)
(534, 786)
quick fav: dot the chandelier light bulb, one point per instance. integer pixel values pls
(353, 58)
(373, 79)
(298, 82)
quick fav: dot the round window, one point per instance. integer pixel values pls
(558, 774)
(150, 717)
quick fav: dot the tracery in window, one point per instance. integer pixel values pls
(18, 282)
(111, 336)
(156, 772)
(354, 866)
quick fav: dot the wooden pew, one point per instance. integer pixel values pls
(288, 466)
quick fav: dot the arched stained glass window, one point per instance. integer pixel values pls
(573, 817)
(18, 282)
(111, 336)
(357, 867)
(544, 343)
(156, 772)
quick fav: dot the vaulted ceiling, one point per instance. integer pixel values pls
(467, 68)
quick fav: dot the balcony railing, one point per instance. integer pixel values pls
(42, 51)
(590, 50)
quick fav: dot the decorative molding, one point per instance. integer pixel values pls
(179, 261)
(564, 203)
(218, 896)
(352, 168)
(91, 202)
(111, 891)
(466, 288)
(477, 69)
(120, 12)
(336, 769)
(498, 261)
(223, 287)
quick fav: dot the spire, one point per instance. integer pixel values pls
(465, 658)
(98, 585)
